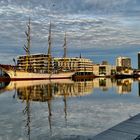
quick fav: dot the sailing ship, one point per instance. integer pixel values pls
(35, 66)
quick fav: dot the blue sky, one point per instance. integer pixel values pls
(99, 29)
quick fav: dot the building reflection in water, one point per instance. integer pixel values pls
(139, 87)
(40, 93)
(124, 86)
(46, 91)
(40, 89)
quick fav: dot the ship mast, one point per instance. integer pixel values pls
(65, 46)
(27, 47)
(49, 49)
(49, 106)
(65, 101)
(49, 41)
(27, 111)
(65, 50)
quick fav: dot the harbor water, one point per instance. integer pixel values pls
(65, 109)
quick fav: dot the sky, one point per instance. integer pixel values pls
(98, 29)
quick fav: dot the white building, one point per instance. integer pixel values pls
(35, 62)
(103, 70)
(74, 64)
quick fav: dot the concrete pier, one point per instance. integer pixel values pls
(127, 130)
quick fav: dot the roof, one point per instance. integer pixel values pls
(32, 54)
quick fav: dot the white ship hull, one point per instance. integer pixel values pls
(22, 75)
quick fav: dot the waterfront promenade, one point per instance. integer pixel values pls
(127, 130)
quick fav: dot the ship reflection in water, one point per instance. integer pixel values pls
(49, 90)
(40, 89)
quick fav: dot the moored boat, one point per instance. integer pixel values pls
(23, 75)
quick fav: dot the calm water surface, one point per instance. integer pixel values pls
(65, 109)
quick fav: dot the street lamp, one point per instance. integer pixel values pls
(14, 66)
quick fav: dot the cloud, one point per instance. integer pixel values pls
(76, 6)
(85, 28)
(96, 6)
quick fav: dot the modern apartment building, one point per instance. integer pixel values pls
(103, 69)
(74, 64)
(139, 60)
(123, 62)
(41, 63)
